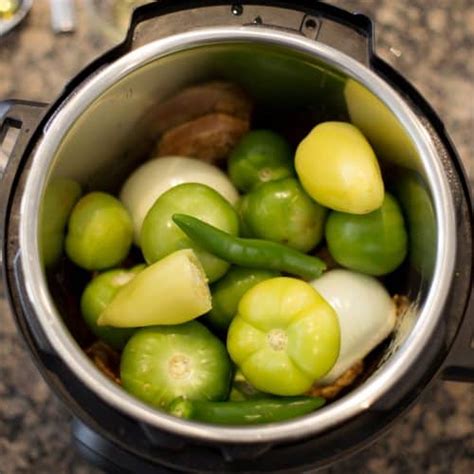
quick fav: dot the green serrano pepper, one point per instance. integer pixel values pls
(251, 253)
(247, 412)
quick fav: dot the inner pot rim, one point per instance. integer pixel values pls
(335, 413)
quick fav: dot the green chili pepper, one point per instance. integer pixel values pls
(252, 253)
(246, 412)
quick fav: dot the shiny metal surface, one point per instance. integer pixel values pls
(82, 114)
(325, 30)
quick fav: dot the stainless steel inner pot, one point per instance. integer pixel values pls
(101, 132)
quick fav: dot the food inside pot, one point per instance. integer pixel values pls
(239, 276)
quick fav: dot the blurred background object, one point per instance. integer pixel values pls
(428, 42)
(8, 8)
(12, 12)
(63, 16)
(113, 16)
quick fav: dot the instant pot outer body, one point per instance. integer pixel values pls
(287, 55)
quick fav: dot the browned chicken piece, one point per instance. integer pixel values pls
(402, 303)
(106, 359)
(210, 138)
(195, 101)
(345, 380)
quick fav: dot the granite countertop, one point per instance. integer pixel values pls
(431, 43)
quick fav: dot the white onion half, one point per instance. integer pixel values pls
(366, 315)
(148, 182)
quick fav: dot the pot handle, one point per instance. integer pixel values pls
(459, 365)
(18, 120)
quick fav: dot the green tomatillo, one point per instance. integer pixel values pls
(100, 232)
(98, 294)
(226, 293)
(259, 157)
(160, 236)
(374, 243)
(284, 337)
(162, 363)
(281, 211)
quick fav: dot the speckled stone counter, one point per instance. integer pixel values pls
(431, 43)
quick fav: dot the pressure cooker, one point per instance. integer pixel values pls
(299, 55)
